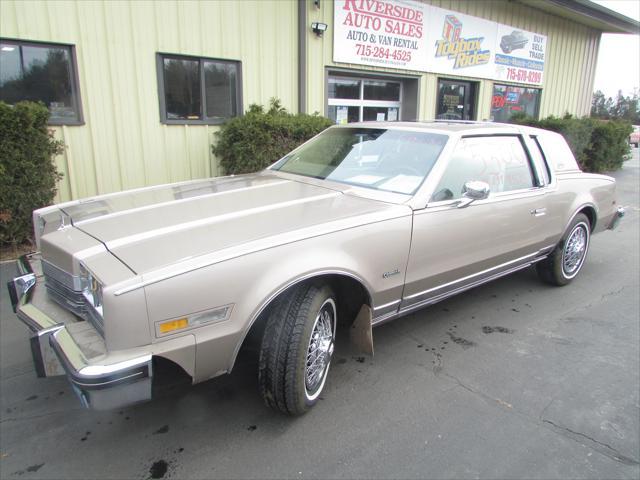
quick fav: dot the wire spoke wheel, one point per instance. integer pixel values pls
(320, 349)
(297, 345)
(574, 250)
(565, 262)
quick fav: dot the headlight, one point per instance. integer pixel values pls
(91, 289)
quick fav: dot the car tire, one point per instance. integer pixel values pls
(565, 262)
(296, 348)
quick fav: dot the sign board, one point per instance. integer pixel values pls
(460, 44)
(519, 55)
(409, 35)
(380, 33)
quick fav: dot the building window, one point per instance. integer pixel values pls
(362, 99)
(198, 90)
(508, 100)
(41, 72)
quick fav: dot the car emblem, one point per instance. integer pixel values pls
(391, 273)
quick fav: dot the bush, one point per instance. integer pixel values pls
(28, 175)
(598, 145)
(609, 145)
(257, 139)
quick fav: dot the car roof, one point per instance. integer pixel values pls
(444, 126)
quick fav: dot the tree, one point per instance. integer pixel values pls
(622, 108)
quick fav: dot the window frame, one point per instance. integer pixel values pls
(160, 56)
(74, 79)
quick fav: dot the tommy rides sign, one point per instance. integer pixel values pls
(410, 35)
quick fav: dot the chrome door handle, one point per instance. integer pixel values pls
(538, 212)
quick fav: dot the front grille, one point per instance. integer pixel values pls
(66, 290)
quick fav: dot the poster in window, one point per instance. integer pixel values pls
(342, 115)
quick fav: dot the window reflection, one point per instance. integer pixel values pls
(182, 88)
(39, 73)
(199, 90)
(220, 88)
(508, 100)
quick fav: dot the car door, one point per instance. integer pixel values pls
(454, 248)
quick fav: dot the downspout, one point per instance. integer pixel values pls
(302, 56)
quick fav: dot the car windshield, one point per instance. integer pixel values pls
(383, 159)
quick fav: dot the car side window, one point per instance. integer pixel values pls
(538, 155)
(500, 161)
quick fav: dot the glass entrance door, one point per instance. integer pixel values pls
(456, 100)
(353, 99)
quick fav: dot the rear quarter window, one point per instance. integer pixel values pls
(557, 152)
(539, 158)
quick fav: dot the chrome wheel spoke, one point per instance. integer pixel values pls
(320, 348)
(574, 250)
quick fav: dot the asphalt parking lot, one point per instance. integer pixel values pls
(514, 379)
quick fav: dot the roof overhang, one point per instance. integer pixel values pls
(588, 13)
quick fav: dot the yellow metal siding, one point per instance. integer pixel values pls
(572, 51)
(123, 144)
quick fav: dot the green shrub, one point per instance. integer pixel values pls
(257, 139)
(28, 175)
(609, 145)
(598, 145)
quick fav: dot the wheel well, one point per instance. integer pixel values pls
(351, 294)
(591, 215)
(167, 376)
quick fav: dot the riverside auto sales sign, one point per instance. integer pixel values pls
(380, 33)
(409, 35)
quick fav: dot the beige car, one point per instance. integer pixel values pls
(361, 225)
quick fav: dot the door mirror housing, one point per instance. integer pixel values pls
(472, 191)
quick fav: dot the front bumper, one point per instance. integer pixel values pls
(100, 384)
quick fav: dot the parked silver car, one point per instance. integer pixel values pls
(361, 225)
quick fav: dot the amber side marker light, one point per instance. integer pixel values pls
(172, 325)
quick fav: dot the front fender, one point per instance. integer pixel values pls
(249, 282)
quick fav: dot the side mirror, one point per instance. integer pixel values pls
(472, 191)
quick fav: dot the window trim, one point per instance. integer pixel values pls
(76, 97)
(160, 56)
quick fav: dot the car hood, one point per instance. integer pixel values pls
(151, 228)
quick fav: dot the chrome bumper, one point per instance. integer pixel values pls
(98, 384)
(616, 218)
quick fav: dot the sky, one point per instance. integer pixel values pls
(618, 65)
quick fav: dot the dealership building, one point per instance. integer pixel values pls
(137, 89)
